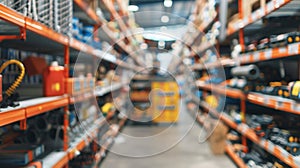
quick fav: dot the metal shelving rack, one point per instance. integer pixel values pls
(274, 102)
(32, 33)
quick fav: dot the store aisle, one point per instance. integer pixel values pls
(188, 153)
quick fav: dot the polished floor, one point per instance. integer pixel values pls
(164, 146)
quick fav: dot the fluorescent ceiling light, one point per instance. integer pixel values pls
(161, 44)
(133, 8)
(163, 28)
(168, 3)
(165, 19)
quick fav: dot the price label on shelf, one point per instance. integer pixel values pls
(293, 48)
(270, 147)
(238, 25)
(279, 3)
(282, 50)
(266, 100)
(268, 54)
(256, 56)
(243, 128)
(246, 58)
(246, 20)
(253, 16)
(296, 107)
(270, 6)
(262, 143)
(260, 12)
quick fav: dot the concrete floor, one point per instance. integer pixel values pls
(188, 153)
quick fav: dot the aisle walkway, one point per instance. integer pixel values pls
(188, 153)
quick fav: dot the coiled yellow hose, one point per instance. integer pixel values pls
(18, 81)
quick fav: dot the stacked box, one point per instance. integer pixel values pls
(19, 154)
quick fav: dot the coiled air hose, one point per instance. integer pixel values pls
(18, 81)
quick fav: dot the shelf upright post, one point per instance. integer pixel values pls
(242, 43)
(243, 115)
(241, 31)
(298, 69)
(66, 108)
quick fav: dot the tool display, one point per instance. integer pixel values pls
(245, 77)
(273, 41)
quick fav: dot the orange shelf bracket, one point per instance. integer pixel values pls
(22, 35)
(23, 124)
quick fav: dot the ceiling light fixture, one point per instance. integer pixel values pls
(133, 8)
(168, 3)
(165, 19)
(161, 44)
(163, 28)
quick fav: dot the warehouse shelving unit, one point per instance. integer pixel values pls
(277, 151)
(244, 21)
(285, 105)
(270, 54)
(30, 31)
(230, 151)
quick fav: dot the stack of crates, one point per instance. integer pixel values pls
(56, 14)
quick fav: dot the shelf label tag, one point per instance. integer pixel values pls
(296, 106)
(260, 12)
(270, 6)
(246, 20)
(256, 56)
(270, 147)
(268, 54)
(266, 100)
(293, 48)
(246, 57)
(282, 49)
(253, 16)
(279, 2)
(262, 142)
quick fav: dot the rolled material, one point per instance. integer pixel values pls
(33, 136)
(249, 71)
(42, 124)
(56, 133)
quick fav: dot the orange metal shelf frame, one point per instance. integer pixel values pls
(31, 108)
(46, 106)
(85, 139)
(11, 16)
(269, 54)
(244, 129)
(229, 150)
(80, 97)
(256, 15)
(275, 102)
(221, 63)
(89, 11)
(12, 115)
(230, 92)
(239, 162)
(62, 162)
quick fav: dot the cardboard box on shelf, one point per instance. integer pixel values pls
(217, 139)
(34, 65)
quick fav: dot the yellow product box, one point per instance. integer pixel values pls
(73, 86)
